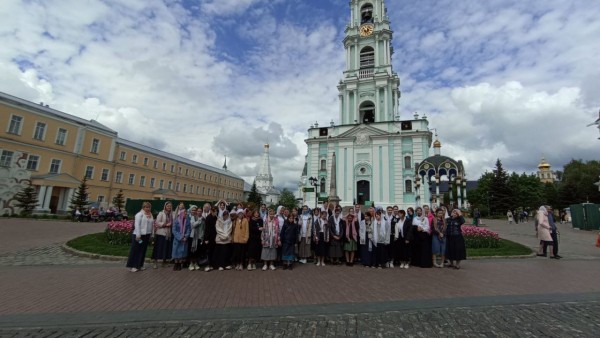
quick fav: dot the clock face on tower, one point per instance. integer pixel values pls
(366, 30)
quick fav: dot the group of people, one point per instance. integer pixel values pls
(547, 232)
(222, 239)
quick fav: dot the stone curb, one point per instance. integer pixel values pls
(531, 255)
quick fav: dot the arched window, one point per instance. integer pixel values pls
(322, 187)
(407, 162)
(367, 57)
(324, 165)
(367, 112)
(366, 14)
(408, 186)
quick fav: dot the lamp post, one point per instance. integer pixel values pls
(314, 182)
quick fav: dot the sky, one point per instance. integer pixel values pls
(205, 79)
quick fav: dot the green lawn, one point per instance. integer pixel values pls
(506, 248)
(96, 243)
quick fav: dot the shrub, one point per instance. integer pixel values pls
(119, 232)
(476, 237)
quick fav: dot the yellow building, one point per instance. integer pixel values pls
(544, 173)
(56, 150)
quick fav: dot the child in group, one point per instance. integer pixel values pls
(270, 241)
(289, 236)
(321, 238)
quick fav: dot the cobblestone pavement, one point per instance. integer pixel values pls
(578, 319)
(52, 254)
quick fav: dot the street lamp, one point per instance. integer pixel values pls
(314, 182)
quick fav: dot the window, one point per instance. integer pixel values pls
(152, 181)
(32, 162)
(131, 179)
(203, 190)
(155, 164)
(323, 165)
(408, 186)
(100, 198)
(89, 172)
(142, 181)
(15, 125)
(205, 177)
(55, 166)
(123, 156)
(40, 131)
(172, 168)
(179, 171)
(119, 177)
(95, 146)
(208, 193)
(134, 159)
(187, 171)
(170, 185)
(322, 187)
(177, 187)
(407, 162)
(164, 166)
(61, 136)
(146, 161)
(184, 187)
(104, 176)
(6, 158)
(198, 190)
(367, 112)
(161, 185)
(367, 57)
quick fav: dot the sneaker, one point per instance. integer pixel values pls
(191, 267)
(155, 266)
(391, 264)
(221, 269)
(196, 267)
(323, 264)
(143, 268)
(249, 268)
(134, 270)
(207, 269)
(265, 267)
(228, 267)
(253, 266)
(272, 267)
(318, 263)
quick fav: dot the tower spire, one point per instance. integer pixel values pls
(225, 164)
(264, 179)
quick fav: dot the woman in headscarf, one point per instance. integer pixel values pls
(422, 241)
(270, 241)
(196, 242)
(366, 240)
(351, 237)
(381, 238)
(289, 237)
(181, 234)
(163, 241)
(455, 242)
(321, 238)
(337, 227)
(405, 238)
(139, 240)
(438, 238)
(241, 233)
(210, 236)
(254, 244)
(305, 234)
(222, 254)
(543, 230)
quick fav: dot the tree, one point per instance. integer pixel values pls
(287, 199)
(119, 200)
(577, 185)
(480, 196)
(500, 194)
(27, 199)
(254, 196)
(80, 197)
(527, 191)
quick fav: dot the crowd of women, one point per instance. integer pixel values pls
(214, 237)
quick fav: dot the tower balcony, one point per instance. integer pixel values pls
(366, 73)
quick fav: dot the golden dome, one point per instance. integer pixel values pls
(266, 145)
(544, 164)
(437, 144)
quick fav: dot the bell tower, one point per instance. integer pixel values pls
(369, 90)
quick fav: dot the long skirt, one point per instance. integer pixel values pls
(304, 248)
(396, 250)
(194, 256)
(405, 250)
(268, 254)
(162, 247)
(381, 254)
(221, 256)
(350, 245)
(288, 252)
(335, 249)
(366, 254)
(137, 253)
(239, 253)
(455, 248)
(254, 249)
(391, 249)
(422, 250)
(321, 246)
(179, 249)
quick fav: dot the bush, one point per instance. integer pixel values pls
(119, 232)
(476, 237)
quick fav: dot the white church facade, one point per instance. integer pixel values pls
(375, 151)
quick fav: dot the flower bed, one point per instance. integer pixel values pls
(476, 237)
(119, 232)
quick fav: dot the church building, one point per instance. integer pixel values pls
(375, 152)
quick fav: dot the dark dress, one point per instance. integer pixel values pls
(163, 247)
(210, 235)
(289, 236)
(421, 249)
(394, 247)
(404, 249)
(254, 242)
(320, 246)
(335, 245)
(455, 242)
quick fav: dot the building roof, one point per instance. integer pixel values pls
(53, 112)
(176, 158)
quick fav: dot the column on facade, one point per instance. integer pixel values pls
(377, 54)
(346, 103)
(70, 194)
(355, 108)
(47, 197)
(437, 186)
(450, 193)
(377, 106)
(459, 192)
(395, 103)
(344, 116)
(465, 192)
(41, 195)
(356, 57)
(385, 100)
